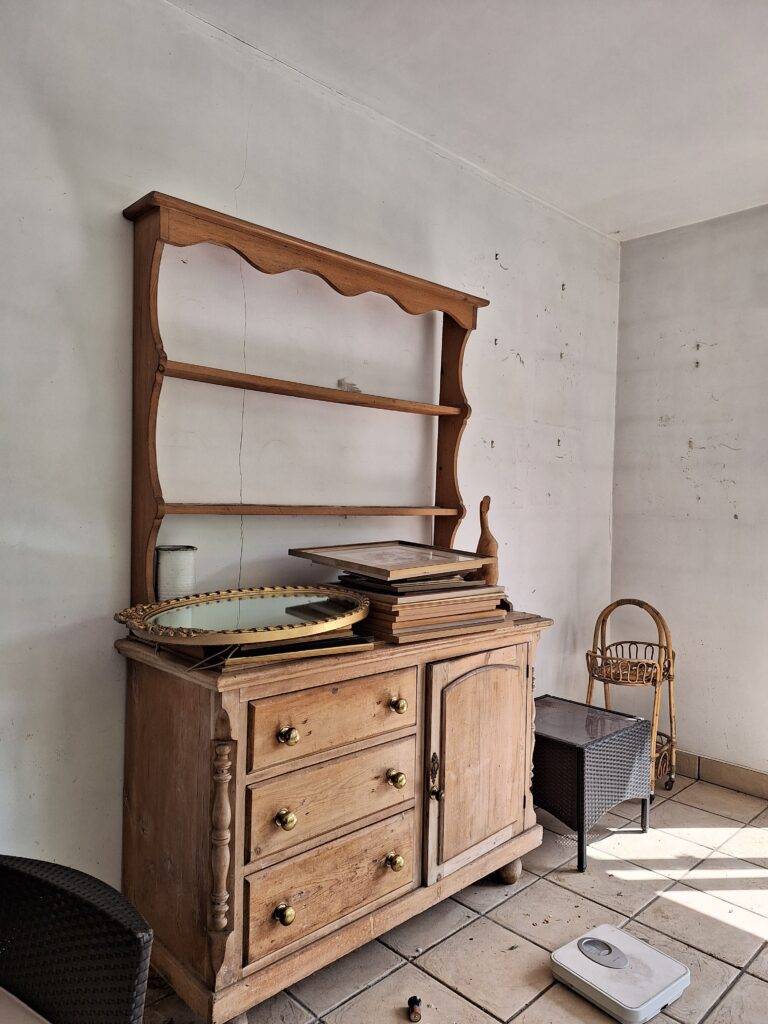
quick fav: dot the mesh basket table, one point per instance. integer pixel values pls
(585, 761)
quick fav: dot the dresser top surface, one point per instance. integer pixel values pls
(383, 657)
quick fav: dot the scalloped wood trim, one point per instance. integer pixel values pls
(272, 252)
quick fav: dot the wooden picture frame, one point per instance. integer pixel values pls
(423, 559)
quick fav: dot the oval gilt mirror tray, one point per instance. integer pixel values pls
(252, 616)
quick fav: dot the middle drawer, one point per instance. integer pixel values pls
(307, 803)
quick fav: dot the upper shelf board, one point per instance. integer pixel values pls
(183, 223)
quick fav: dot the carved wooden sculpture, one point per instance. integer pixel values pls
(488, 546)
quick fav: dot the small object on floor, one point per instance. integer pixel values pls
(414, 1013)
(624, 976)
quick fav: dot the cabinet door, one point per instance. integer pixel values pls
(476, 756)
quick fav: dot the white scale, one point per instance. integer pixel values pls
(627, 978)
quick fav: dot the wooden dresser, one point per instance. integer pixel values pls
(278, 817)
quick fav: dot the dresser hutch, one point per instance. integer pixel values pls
(277, 817)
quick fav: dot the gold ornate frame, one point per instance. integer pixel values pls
(138, 618)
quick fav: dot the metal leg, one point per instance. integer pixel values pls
(672, 732)
(644, 813)
(655, 732)
(582, 863)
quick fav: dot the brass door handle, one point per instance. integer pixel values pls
(399, 705)
(288, 735)
(395, 861)
(284, 914)
(397, 779)
(436, 794)
(286, 819)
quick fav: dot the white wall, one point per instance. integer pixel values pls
(691, 472)
(103, 102)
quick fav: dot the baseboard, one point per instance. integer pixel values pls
(723, 773)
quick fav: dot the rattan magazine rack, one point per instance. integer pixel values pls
(639, 663)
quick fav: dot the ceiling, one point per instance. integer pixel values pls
(632, 116)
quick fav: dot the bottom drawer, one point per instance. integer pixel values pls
(326, 884)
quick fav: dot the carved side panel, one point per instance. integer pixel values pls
(449, 431)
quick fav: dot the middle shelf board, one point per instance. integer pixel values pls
(293, 389)
(234, 509)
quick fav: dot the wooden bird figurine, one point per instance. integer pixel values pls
(487, 546)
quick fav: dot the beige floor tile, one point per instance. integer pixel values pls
(414, 936)
(746, 1003)
(759, 965)
(719, 800)
(386, 1002)
(709, 977)
(497, 970)
(712, 925)
(157, 987)
(280, 1009)
(736, 881)
(549, 821)
(346, 977)
(655, 849)
(751, 843)
(558, 848)
(550, 916)
(614, 883)
(694, 824)
(559, 1005)
(490, 892)
(631, 808)
(172, 1010)
(555, 850)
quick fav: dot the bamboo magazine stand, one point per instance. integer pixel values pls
(637, 663)
(160, 219)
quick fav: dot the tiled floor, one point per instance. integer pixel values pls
(695, 886)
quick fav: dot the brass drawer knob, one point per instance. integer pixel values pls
(397, 779)
(284, 913)
(395, 861)
(399, 705)
(286, 819)
(288, 735)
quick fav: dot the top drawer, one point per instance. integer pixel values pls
(293, 725)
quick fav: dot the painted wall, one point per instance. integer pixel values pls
(691, 472)
(103, 102)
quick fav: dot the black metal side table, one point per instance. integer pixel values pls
(585, 761)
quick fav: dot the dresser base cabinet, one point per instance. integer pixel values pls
(276, 818)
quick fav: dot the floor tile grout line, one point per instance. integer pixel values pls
(522, 1009)
(365, 988)
(728, 988)
(458, 992)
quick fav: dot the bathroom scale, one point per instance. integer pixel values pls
(624, 976)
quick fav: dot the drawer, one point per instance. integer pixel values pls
(327, 796)
(324, 885)
(325, 717)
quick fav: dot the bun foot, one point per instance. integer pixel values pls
(510, 873)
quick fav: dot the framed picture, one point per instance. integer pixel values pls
(393, 559)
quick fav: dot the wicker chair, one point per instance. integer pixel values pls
(72, 949)
(637, 663)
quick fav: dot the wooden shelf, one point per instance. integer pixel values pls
(275, 386)
(198, 509)
(161, 220)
